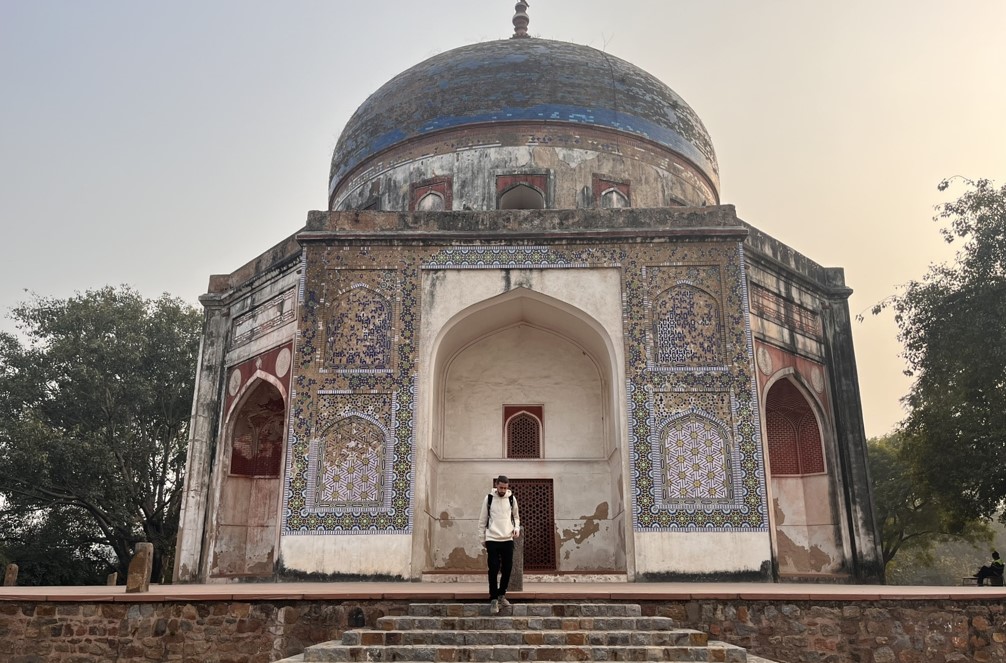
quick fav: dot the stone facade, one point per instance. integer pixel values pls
(890, 631)
(527, 227)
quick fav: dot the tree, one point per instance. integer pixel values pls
(911, 519)
(950, 323)
(95, 397)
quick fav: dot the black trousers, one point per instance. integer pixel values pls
(990, 573)
(500, 560)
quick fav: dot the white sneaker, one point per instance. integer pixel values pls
(494, 607)
(503, 602)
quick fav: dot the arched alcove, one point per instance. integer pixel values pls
(431, 202)
(244, 542)
(523, 348)
(614, 199)
(688, 327)
(804, 514)
(522, 196)
(359, 331)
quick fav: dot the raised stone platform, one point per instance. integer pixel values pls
(261, 623)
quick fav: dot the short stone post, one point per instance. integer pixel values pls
(517, 574)
(113, 579)
(140, 567)
(10, 576)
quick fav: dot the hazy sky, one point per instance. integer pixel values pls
(156, 143)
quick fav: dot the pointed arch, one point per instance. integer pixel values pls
(431, 202)
(257, 426)
(522, 196)
(614, 199)
(523, 432)
(351, 464)
(360, 330)
(695, 459)
(687, 327)
(793, 431)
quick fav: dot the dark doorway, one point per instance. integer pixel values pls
(536, 500)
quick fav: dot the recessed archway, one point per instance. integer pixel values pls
(244, 539)
(524, 347)
(804, 515)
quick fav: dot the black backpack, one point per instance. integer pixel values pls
(489, 506)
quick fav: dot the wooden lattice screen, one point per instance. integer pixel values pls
(536, 500)
(522, 426)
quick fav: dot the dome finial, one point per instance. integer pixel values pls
(520, 20)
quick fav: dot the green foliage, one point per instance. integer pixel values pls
(946, 562)
(54, 546)
(912, 520)
(951, 325)
(95, 397)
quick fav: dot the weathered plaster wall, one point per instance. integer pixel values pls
(656, 178)
(799, 311)
(697, 555)
(805, 528)
(523, 364)
(384, 555)
(247, 313)
(493, 337)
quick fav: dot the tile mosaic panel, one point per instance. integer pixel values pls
(359, 320)
(351, 464)
(366, 492)
(694, 451)
(686, 319)
(494, 256)
(656, 397)
(716, 268)
(695, 460)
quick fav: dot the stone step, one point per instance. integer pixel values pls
(529, 576)
(527, 609)
(448, 632)
(520, 637)
(506, 622)
(335, 651)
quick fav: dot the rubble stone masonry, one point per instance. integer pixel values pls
(888, 631)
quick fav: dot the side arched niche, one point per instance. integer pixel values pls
(805, 518)
(247, 518)
(519, 351)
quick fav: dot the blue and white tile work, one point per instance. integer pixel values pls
(694, 449)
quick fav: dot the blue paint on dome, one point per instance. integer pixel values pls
(521, 80)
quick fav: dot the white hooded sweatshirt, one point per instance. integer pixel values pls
(501, 523)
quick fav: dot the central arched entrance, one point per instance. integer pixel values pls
(523, 385)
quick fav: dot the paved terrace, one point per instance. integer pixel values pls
(469, 591)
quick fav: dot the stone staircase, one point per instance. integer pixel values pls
(439, 632)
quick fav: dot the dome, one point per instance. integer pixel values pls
(495, 83)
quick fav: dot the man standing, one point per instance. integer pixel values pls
(500, 525)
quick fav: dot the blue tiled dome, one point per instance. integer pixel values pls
(522, 80)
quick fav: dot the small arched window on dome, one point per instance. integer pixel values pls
(431, 202)
(610, 193)
(521, 191)
(522, 428)
(432, 195)
(522, 197)
(614, 199)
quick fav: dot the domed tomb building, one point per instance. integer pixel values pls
(525, 269)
